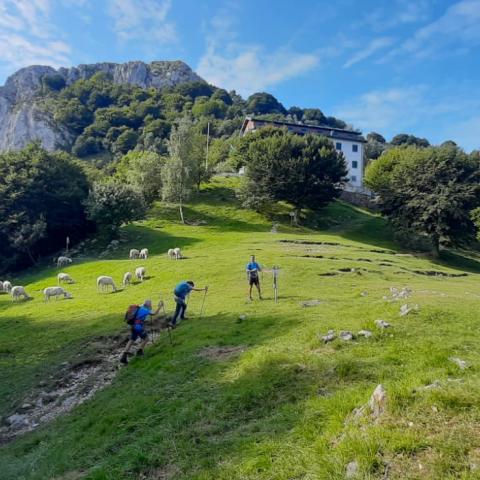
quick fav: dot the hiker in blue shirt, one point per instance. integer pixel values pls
(138, 328)
(180, 293)
(253, 269)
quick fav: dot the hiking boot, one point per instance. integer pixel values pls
(124, 359)
(140, 352)
(171, 325)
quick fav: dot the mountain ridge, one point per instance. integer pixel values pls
(22, 119)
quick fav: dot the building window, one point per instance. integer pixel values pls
(354, 148)
(354, 164)
(338, 146)
(354, 178)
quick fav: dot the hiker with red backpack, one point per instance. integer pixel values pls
(136, 317)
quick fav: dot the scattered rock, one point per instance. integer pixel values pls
(274, 228)
(382, 324)
(378, 401)
(365, 333)
(462, 364)
(69, 402)
(397, 294)
(17, 421)
(352, 469)
(26, 406)
(346, 335)
(242, 317)
(434, 409)
(406, 309)
(329, 337)
(433, 385)
(310, 303)
(364, 294)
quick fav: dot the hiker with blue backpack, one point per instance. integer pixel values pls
(136, 317)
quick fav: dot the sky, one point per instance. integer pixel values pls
(392, 66)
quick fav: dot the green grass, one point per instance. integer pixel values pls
(282, 408)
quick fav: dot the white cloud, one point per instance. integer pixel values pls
(17, 51)
(27, 36)
(396, 13)
(380, 110)
(439, 114)
(455, 31)
(233, 65)
(142, 19)
(251, 69)
(374, 46)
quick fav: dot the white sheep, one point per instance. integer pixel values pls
(62, 261)
(127, 279)
(103, 282)
(140, 273)
(171, 254)
(55, 292)
(178, 253)
(143, 253)
(134, 253)
(64, 277)
(7, 286)
(17, 292)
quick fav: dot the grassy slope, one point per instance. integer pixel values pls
(278, 410)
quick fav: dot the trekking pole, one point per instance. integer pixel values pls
(203, 301)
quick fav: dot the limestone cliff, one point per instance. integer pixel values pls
(22, 118)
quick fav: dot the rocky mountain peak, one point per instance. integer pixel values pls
(21, 121)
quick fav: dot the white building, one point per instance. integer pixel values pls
(349, 142)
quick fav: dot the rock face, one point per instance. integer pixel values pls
(22, 118)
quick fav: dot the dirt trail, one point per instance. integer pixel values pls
(74, 384)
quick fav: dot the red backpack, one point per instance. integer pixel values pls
(131, 314)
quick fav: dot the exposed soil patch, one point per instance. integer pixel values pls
(74, 384)
(436, 273)
(221, 353)
(309, 242)
(328, 274)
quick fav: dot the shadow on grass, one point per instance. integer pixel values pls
(460, 260)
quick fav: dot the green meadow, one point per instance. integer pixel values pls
(280, 407)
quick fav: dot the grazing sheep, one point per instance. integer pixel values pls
(55, 292)
(7, 286)
(62, 261)
(134, 253)
(140, 273)
(178, 253)
(103, 282)
(18, 292)
(143, 253)
(127, 279)
(171, 253)
(64, 277)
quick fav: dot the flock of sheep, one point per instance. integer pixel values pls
(103, 281)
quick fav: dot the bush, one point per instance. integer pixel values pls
(113, 203)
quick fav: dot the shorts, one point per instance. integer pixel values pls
(254, 281)
(138, 334)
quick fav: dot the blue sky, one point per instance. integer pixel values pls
(397, 66)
